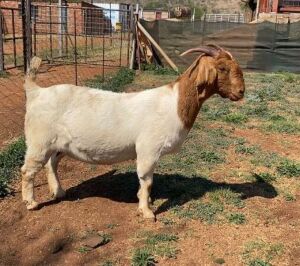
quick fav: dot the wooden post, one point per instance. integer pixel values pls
(137, 49)
(1, 44)
(155, 44)
(138, 52)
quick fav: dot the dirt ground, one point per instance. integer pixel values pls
(103, 199)
(95, 200)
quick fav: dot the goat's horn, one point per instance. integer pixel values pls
(205, 50)
(215, 46)
(220, 49)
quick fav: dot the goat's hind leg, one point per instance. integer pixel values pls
(54, 185)
(34, 162)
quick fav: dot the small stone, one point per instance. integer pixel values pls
(94, 241)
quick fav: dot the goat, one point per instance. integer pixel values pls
(103, 127)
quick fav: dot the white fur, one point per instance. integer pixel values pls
(103, 127)
(100, 127)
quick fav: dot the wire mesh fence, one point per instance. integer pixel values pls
(76, 43)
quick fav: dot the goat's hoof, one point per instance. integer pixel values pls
(33, 205)
(148, 215)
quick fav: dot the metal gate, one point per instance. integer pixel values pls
(75, 35)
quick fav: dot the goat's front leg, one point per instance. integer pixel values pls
(145, 174)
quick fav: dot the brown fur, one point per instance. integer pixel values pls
(205, 77)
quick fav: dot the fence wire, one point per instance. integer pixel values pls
(76, 44)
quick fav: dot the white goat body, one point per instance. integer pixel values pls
(103, 127)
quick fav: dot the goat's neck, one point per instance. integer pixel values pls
(191, 97)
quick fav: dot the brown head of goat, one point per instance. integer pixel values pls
(215, 71)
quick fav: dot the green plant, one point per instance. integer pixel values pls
(260, 110)
(236, 118)
(289, 196)
(106, 238)
(108, 263)
(216, 113)
(267, 159)
(155, 239)
(261, 253)
(264, 177)
(226, 196)
(272, 92)
(159, 70)
(11, 158)
(289, 168)
(283, 126)
(199, 12)
(246, 149)
(211, 157)
(160, 244)
(259, 262)
(236, 218)
(114, 83)
(142, 257)
(83, 249)
(288, 77)
(156, 4)
(206, 212)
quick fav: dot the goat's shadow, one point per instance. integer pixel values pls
(177, 189)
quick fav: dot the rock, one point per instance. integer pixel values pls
(94, 241)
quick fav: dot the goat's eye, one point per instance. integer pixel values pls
(223, 69)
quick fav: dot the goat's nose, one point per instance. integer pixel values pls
(241, 91)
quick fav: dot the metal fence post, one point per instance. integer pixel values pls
(103, 55)
(1, 44)
(50, 37)
(121, 40)
(75, 48)
(24, 35)
(26, 29)
(129, 16)
(28, 32)
(14, 36)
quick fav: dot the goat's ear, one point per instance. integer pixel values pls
(207, 73)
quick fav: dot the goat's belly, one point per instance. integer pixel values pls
(101, 155)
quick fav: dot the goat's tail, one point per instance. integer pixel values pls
(31, 73)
